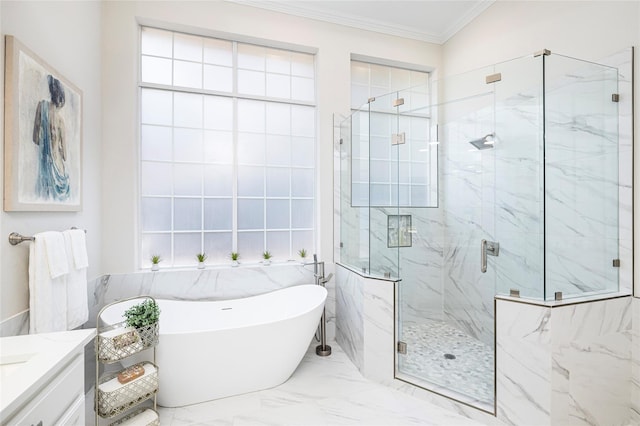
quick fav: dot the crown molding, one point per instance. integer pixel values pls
(471, 14)
(366, 24)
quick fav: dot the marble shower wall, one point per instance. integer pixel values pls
(365, 323)
(564, 364)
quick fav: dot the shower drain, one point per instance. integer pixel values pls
(449, 356)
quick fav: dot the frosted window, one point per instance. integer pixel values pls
(218, 180)
(186, 247)
(156, 179)
(188, 110)
(156, 42)
(302, 182)
(155, 143)
(224, 172)
(155, 244)
(218, 78)
(302, 89)
(278, 244)
(218, 214)
(219, 52)
(187, 47)
(278, 150)
(250, 181)
(302, 213)
(278, 118)
(250, 214)
(187, 74)
(302, 152)
(279, 86)
(187, 214)
(250, 148)
(187, 179)
(218, 113)
(303, 121)
(187, 145)
(157, 107)
(277, 214)
(251, 57)
(251, 82)
(218, 147)
(250, 245)
(218, 245)
(251, 116)
(278, 182)
(156, 214)
(156, 70)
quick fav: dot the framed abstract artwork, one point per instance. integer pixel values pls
(42, 135)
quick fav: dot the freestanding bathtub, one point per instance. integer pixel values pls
(214, 349)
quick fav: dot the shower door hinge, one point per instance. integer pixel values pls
(615, 97)
(402, 348)
(398, 102)
(341, 140)
(341, 244)
(397, 138)
(616, 263)
(558, 295)
(545, 52)
(514, 293)
(493, 78)
(370, 100)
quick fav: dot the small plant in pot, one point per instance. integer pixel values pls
(302, 253)
(234, 258)
(155, 262)
(144, 318)
(267, 257)
(201, 258)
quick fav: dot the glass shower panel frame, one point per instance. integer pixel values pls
(581, 178)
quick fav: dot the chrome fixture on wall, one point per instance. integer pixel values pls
(318, 272)
(491, 248)
(484, 142)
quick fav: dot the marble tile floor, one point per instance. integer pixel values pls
(322, 391)
(430, 347)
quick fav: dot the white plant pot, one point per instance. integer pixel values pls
(234, 263)
(200, 265)
(266, 262)
(155, 267)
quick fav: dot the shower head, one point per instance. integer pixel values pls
(484, 142)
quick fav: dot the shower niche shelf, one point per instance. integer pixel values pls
(117, 392)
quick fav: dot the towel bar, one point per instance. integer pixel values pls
(15, 238)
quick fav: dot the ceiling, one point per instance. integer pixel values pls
(434, 21)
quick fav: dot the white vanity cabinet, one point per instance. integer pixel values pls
(56, 403)
(43, 378)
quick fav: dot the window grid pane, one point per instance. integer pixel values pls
(220, 173)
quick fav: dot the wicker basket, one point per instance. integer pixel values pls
(155, 422)
(113, 402)
(119, 341)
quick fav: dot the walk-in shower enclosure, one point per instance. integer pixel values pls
(499, 181)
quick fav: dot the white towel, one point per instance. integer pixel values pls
(78, 248)
(55, 252)
(77, 302)
(47, 295)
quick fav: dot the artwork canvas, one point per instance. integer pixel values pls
(43, 135)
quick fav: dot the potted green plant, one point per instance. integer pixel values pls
(201, 258)
(302, 253)
(234, 258)
(267, 257)
(155, 262)
(144, 318)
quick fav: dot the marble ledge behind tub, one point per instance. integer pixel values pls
(16, 325)
(206, 284)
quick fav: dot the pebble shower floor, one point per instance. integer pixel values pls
(440, 353)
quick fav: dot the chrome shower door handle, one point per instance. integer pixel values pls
(487, 248)
(483, 256)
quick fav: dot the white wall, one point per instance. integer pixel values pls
(66, 35)
(586, 30)
(120, 49)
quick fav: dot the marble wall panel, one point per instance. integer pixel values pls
(349, 314)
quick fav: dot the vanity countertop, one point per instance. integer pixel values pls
(28, 362)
